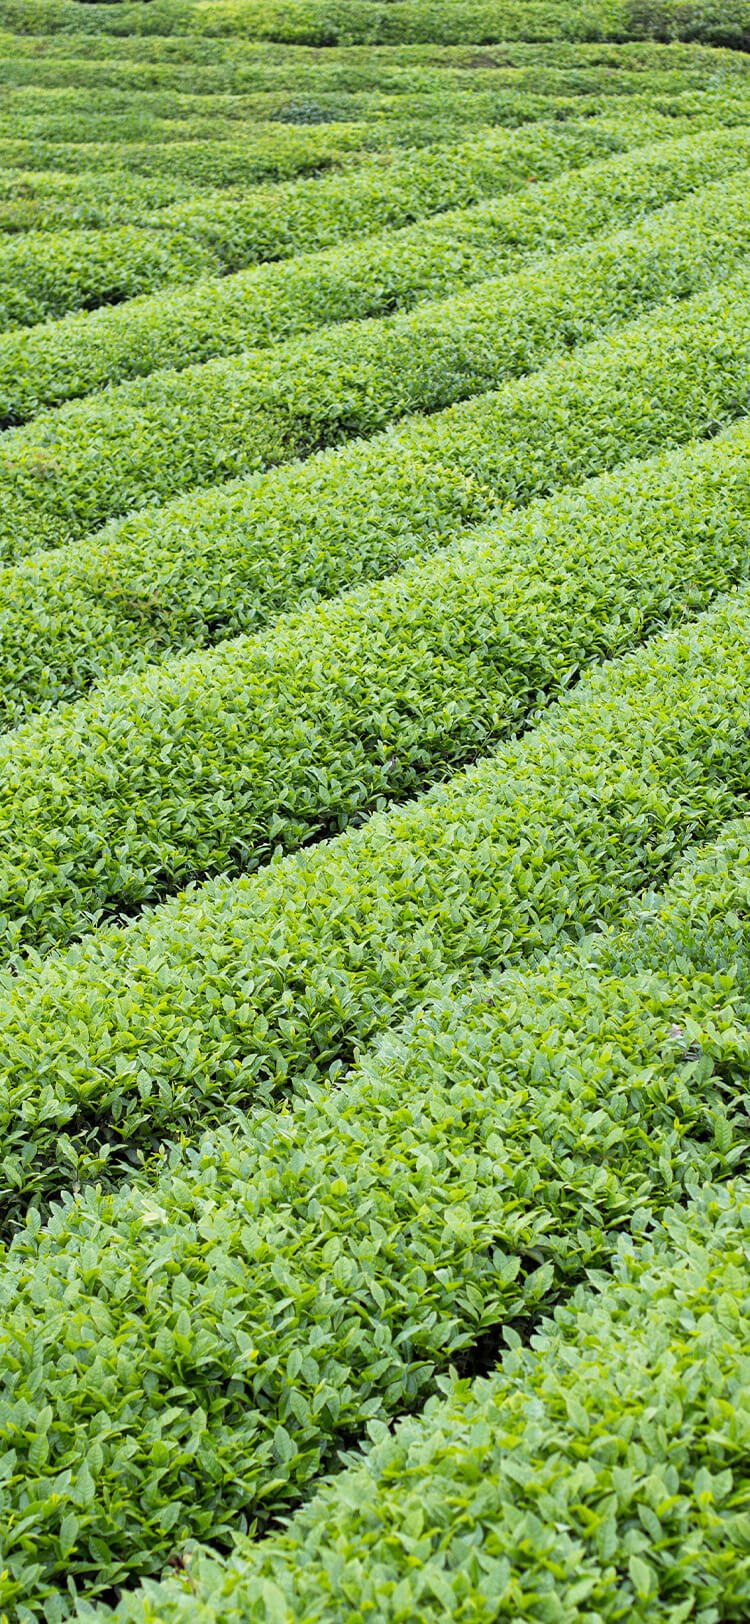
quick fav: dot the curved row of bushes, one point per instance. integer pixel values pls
(168, 116)
(601, 1472)
(307, 1276)
(264, 152)
(224, 561)
(197, 67)
(46, 272)
(214, 762)
(46, 200)
(145, 440)
(348, 22)
(235, 65)
(280, 151)
(398, 188)
(232, 992)
(394, 270)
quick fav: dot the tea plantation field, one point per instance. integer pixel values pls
(374, 811)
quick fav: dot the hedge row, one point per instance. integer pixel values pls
(600, 1473)
(234, 991)
(467, 173)
(48, 201)
(121, 98)
(308, 1275)
(348, 22)
(310, 137)
(276, 222)
(269, 304)
(143, 441)
(111, 116)
(266, 152)
(297, 137)
(115, 141)
(212, 150)
(47, 273)
(197, 67)
(214, 762)
(201, 62)
(220, 562)
(341, 22)
(19, 17)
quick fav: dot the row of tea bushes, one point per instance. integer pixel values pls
(279, 150)
(307, 1275)
(214, 762)
(264, 152)
(394, 270)
(230, 560)
(200, 61)
(50, 201)
(349, 22)
(218, 149)
(275, 222)
(45, 273)
(269, 79)
(275, 151)
(141, 441)
(301, 87)
(115, 116)
(600, 1472)
(237, 990)
(720, 22)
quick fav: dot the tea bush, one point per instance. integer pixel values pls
(309, 1275)
(214, 762)
(236, 991)
(144, 440)
(600, 1470)
(226, 560)
(266, 306)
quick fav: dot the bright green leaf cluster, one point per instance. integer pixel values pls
(235, 991)
(389, 271)
(214, 762)
(88, 460)
(309, 1274)
(601, 1473)
(49, 200)
(221, 562)
(45, 273)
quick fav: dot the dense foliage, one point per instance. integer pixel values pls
(217, 761)
(71, 469)
(305, 1276)
(601, 1472)
(234, 557)
(390, 271)
(374, 811)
